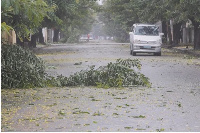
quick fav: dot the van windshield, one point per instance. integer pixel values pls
(147, 30)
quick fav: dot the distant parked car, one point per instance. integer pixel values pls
(86, 37)
(145, 38)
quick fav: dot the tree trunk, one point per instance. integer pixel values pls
(164, 30)
(169, 32)
(196, 34)
(177, 33)
(184, 33)
(41, 38)
(55, 38)
(24, 44)
(33, 41)
(19, 42)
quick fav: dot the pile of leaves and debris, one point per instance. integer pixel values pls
(22, 69)
(119, 74)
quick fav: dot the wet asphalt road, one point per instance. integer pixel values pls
(170, 70)
(172, 104)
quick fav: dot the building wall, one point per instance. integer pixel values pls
(8, 38)
(45, 35)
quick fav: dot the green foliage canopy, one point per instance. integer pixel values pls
(119, 15)
(77, 17)
(24, 16)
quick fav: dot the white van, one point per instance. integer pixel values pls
(145, 38)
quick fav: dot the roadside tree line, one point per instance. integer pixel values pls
(28, 17)
(119, 15)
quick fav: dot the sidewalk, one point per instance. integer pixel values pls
(185, 50)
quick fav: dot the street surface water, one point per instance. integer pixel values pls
(171, 104)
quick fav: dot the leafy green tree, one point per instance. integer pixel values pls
(118, 15)
(180, 11)
(152, 11)
(72, 18)
(27, 17)
(24, 16)
(189, 10)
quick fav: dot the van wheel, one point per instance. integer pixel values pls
(131, 51)
(157, 54)
(134, 53)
